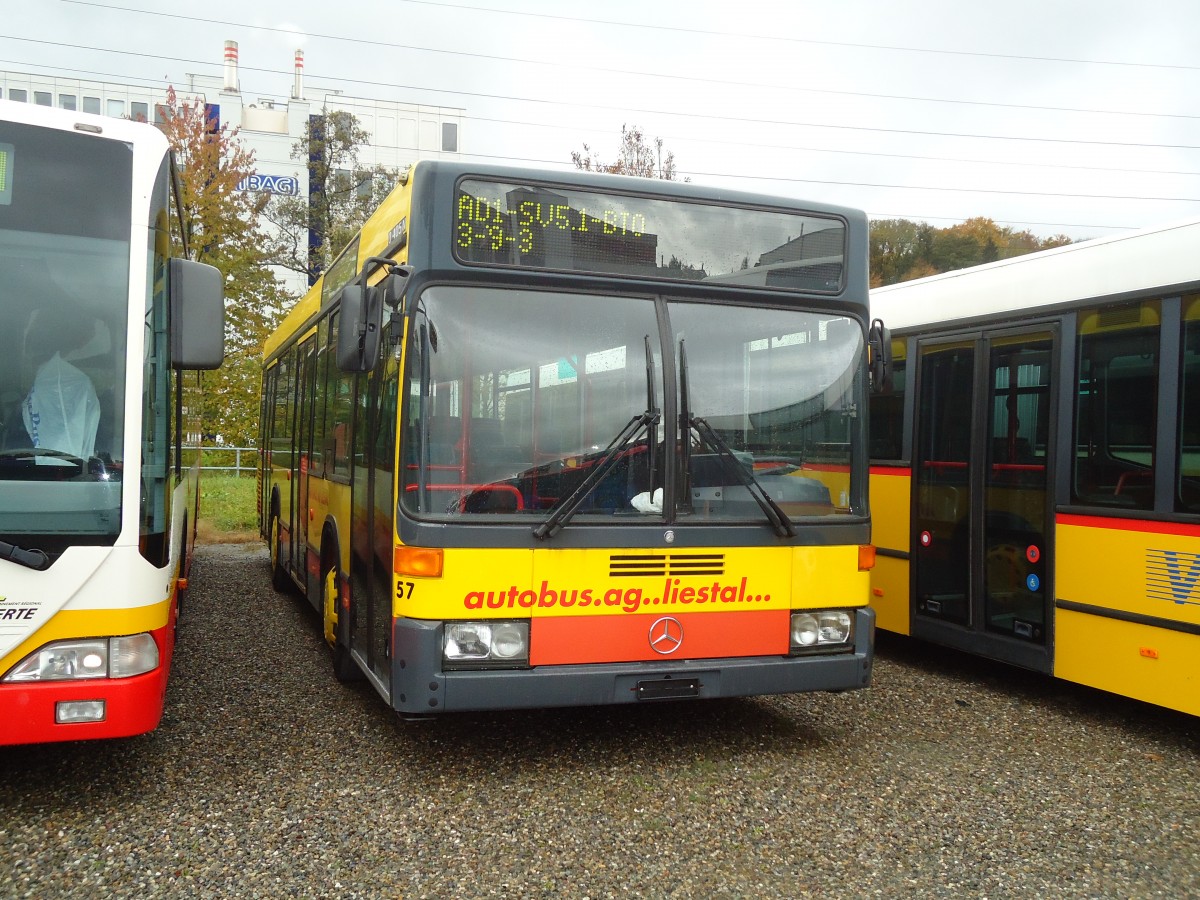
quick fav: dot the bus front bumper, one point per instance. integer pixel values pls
(30, 711)
(420, 686)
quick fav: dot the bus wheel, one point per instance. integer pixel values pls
(279, 575)
(337, 627)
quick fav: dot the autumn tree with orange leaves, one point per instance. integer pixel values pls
(224, 230)
(902, 250)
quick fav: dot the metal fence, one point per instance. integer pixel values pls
(237, 460)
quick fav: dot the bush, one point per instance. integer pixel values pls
(228, 508)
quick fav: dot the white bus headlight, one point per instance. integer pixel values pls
(804, 630)
(118, 657)
(826, 629)
(834, 627)
(63, 661)
(475, 643)
(133, 655)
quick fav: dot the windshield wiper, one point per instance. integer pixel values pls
(648, 420)
(32, 559)
(775, 515)
(684, 501)
(562, 513)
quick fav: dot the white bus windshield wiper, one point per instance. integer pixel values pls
(33, 559)
(775, 515)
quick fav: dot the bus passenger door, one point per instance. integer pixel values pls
(982, 510)
(302, 458)
(373, 521)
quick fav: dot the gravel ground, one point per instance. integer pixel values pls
(949, 777)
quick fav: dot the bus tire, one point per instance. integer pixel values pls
(336, 625)
(279, 576)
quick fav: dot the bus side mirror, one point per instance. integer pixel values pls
(360, 325)
(391, 290)
(197, 315)
(879, 354)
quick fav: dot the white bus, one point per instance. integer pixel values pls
(97, 499)
(1036, 463)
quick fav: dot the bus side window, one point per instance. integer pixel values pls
(1188, 493)
(887, 411)
(1117, 409)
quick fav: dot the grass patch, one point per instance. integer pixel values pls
(228, 509)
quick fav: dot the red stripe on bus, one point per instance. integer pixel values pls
(569, 640)
(1115, 524)
(903, 471)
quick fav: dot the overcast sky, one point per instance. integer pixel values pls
(1058, 116)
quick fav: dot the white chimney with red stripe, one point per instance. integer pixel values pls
(231, 67)
(298, 87)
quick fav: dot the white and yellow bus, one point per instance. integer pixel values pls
(97, 503)
(542, 439)
(1036, 474)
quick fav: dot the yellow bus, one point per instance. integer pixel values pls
(1036, 463)
(98, 497)
(544, 439)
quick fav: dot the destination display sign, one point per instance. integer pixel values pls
(552, 227)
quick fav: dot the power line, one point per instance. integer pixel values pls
(577, 66)
(742, 120)
(724, 35)
(877, 153)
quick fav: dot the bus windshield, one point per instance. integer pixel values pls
(516, 397)
(64, 284)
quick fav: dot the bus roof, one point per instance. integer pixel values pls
(1159, 259)
(127, 130)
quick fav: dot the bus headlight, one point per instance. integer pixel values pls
(826, 629)
(133, 655)
(117, 657)
(480, 643)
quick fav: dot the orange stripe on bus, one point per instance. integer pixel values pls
(567, 640)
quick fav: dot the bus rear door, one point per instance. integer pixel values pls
(982, 501)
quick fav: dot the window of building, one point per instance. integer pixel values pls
(91, 105)
(116, 109)
(139, 112)
(450, 137)
(66, 101)
(17, 94)
(43, 98)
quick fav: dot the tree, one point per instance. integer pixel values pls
(223, 225)
(342, 193)
(902, 250)
(635, 157)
